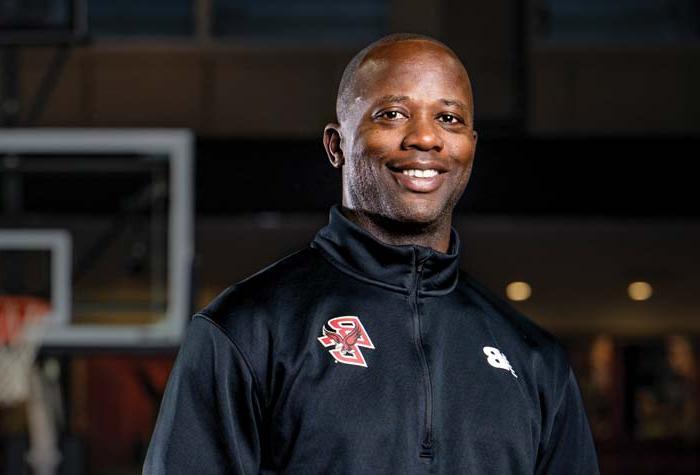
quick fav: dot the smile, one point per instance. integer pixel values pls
(421, 173)
(419, 181)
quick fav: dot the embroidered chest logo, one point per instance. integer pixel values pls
(346, 335)
(497, 359)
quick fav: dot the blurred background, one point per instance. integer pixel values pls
(153, 153)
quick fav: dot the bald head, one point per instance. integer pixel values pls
(350, 83)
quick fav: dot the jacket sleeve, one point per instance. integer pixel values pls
(569, 447)
(210, 415)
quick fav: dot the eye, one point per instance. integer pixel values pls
(391, 115)
(450, 119)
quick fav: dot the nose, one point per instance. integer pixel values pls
(423, 135)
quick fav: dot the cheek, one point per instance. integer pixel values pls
(369, 156)
(373, 145)
(463, 157)
(462, 154)
(363, 166)
(377, 142)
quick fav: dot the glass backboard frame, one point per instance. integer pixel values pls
(178, 145)
(58, 243)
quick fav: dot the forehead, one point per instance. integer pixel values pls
(419, 65)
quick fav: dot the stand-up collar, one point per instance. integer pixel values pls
(354, 250)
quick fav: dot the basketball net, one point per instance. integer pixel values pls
(21, 325)
(21, 321)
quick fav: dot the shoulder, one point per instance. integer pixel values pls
(248, 312)
(503, 314)
(281, 276)
(525, 339)
(278, 287)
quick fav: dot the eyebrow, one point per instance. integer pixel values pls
(455, 103)
(391, 99)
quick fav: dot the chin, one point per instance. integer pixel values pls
(418, 212)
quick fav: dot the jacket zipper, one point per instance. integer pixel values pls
(427, 443)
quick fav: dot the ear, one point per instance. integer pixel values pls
(476, 136)
(331, 142)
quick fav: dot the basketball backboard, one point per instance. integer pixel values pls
(115, 209)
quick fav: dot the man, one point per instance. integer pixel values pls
(370, 352)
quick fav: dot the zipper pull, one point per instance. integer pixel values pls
(421, 263)
(426, 450)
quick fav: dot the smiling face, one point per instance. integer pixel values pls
(405, 140)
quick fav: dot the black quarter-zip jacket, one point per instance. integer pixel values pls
(358, 357)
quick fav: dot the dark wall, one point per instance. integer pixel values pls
(228, 87)
(522, 176)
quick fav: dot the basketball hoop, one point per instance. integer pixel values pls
(21, 319)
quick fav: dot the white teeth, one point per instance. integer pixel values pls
(421, 173)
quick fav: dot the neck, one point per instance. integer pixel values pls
(435, 235)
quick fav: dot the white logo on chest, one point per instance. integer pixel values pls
(497, 359)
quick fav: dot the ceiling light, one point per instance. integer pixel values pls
(518, 291)
(639, 291)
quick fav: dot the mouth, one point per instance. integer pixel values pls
(419, 178)
(416, 172)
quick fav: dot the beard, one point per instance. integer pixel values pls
(368, 192)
